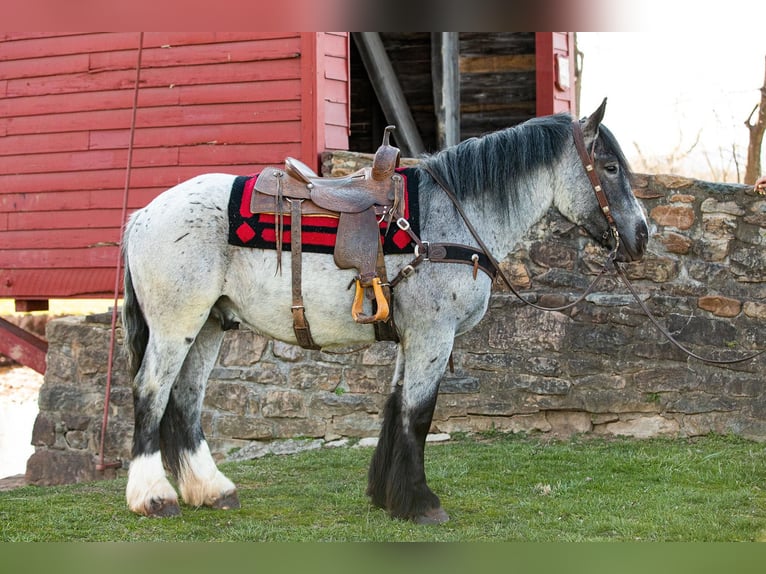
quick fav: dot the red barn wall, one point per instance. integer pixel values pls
(232, 102)
(555, 78)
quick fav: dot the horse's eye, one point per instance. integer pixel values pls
(611, 168)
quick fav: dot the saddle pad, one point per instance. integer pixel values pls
(318, 232)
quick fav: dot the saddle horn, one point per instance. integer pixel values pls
(386, 158)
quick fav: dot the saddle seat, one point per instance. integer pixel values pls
(360, 201)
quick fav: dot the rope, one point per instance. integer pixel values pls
(101, 466)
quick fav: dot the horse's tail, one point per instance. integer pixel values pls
(134, 327)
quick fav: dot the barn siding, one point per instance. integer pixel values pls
(497, 85)
(551, 97)
(208, 101)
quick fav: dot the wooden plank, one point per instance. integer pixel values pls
(145, 177)
(57, 200)
(544, 77)
(86, 101)
(87, 160)
(46, 44)
(262, 90)
(336, 44)
(229, 92)
(74, 219)
(173, 76)
(221, 134)
(336, 114)
(195, 54)
(47, 143)
(485, 44)
(22, 347)
(246, 112)
(58, 258)
(497, 63)
(57, 283)
(336, 137)
(48, 238)
(50, 66)
(30, 305)
(273, 153)
(336, 68)
(12, 36)
(312, 88)
(186, 38)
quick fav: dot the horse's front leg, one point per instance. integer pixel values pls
(397, 479)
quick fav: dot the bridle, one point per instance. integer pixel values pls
(610, 264)
(588, 162)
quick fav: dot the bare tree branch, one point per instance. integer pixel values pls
(756, 129)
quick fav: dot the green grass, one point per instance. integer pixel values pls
(496, 488)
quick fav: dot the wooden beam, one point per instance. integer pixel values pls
(27, 305)
(445, 69)
(389, 92)
(22, 347)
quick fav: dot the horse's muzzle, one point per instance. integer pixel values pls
(633, 246)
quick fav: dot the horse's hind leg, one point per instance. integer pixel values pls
(148, 491)
(397, 479)
(183, 443)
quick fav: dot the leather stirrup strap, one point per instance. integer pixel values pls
(385, 330)
(300, 323)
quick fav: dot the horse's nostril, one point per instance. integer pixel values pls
(642, 233)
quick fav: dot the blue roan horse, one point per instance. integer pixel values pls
(184, 283)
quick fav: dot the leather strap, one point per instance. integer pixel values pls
(440, 181)
(385, 330)
(667, 334)
(588, 163)
(300, 323)
(279, 217)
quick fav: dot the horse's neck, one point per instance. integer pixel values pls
(500, 230)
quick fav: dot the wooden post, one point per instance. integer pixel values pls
(445, 69)
(389, 92)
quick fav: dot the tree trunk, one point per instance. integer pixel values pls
(757, 129)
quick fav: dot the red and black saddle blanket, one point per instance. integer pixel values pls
(317, 232)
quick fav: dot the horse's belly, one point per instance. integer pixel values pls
(262, 296)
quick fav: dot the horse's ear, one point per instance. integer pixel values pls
(590, 127)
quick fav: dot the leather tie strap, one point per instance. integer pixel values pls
(300, 323)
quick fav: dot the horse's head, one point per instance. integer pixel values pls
(577, 199)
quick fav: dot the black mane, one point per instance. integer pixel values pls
(493, 168)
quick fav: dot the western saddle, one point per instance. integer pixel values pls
(360, 201)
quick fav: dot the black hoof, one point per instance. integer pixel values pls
(433, 516)
(161, 508)
(229, 501)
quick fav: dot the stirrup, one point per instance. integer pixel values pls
(356, 309)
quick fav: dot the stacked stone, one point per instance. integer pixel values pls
(600, 368)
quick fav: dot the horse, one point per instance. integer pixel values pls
(184, 285)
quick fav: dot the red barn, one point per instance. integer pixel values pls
(207, 101)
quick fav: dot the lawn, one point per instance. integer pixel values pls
(495, 487)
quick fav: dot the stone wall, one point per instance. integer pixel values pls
(601, 368)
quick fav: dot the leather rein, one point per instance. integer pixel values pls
(610, 264)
